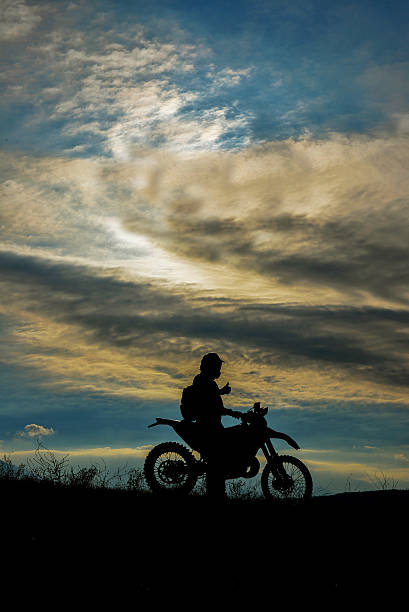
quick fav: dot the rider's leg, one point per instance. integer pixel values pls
(215, 481)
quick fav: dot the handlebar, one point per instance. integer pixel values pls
(237, 414)
(256, 411)
(246, 417)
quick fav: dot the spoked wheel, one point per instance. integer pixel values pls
(170, 468)
(291, 482)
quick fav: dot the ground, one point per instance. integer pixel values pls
(105, 545)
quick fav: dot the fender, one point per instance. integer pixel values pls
(282, 436)
(188, 431)
(160, 421)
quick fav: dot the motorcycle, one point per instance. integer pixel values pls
(171, 467)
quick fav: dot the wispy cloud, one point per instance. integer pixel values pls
(322, 222)
(139, 319)
(122, 88)
(314, 213)
(17, 19)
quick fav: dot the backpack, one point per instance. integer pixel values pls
(189, 403)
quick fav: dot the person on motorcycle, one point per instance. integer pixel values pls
(209, 412)
(210, 406)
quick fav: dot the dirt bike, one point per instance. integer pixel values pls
(171, 467)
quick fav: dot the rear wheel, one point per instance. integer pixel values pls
(291, 481)
(170, 468)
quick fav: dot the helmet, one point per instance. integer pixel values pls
(210, 360)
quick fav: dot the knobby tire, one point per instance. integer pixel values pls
(268, 481)
(153, 462)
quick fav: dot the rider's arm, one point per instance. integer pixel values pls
(225, 390)
(234, 413)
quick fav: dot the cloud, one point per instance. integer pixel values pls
(149, 81)
(121, 88)
(36, 431)
(17, 19)
(227, 77)
(387, 86)
(330, 213)
(401, 458)
(325, 219)
(156, 325)
(104, 451)
(288, 258)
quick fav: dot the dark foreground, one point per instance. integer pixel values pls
(99, 547)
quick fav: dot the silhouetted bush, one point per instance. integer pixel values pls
(9, 471)
(48, 467)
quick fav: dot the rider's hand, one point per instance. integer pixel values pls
(225, 390)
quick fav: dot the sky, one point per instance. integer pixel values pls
(179, 178)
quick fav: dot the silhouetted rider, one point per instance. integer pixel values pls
(209, 412)
(210, 406)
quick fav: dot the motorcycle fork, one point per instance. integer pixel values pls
(272, 459)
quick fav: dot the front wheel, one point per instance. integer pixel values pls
(291, 480)
(170, 468)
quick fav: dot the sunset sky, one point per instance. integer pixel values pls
(180, 177)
